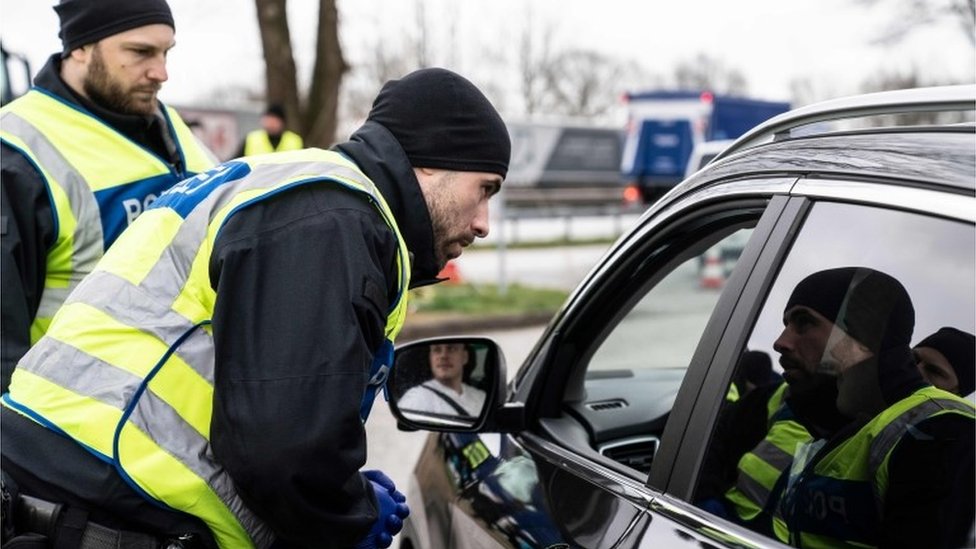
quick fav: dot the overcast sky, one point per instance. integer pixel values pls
(771, 41)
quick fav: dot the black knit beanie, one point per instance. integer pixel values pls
(84, 22)
(443, 121)
(959, 348)
(870, 306)
(276, 111)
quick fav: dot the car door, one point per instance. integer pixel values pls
(609, 389)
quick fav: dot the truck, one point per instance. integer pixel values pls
(664, 126)
(564, 164)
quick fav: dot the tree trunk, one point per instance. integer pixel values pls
(281, 84)
(322, 104)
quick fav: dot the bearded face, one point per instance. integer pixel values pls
(110, 90)
(458, 207)
(451, 230)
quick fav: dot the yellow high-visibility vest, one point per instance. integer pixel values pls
(127, 366)
(837, 500)
(98, 181)
(258, 142)
(761, 468)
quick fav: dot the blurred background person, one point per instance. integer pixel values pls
(272, 136)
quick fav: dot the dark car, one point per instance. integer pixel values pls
(602, 437)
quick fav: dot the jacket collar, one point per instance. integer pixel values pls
(378, 154)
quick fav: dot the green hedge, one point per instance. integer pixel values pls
(486, 299)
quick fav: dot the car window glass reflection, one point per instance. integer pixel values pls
(850, 325)
(932, 258)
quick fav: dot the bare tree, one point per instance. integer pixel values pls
(704, 72)
(534, 60)
(422, 43)
(583, 83)
(314, 115)
(910, 15)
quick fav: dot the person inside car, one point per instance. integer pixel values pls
(947, 359)
(748, 462)
(844, 350)
(447, 392)
(890, 476)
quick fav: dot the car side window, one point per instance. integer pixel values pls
(662, 330)
(830, 272)
(636, 366)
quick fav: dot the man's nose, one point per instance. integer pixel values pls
(783, 343)
(480, 223)
(157, 70)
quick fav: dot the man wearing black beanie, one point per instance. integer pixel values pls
(947, 359)
(886, 479)
(231, 343)
(860, 451)
(83, 153)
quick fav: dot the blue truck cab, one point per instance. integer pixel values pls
(665, 126)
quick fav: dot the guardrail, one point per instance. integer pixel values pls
(562, 196)
(565, 201)
(563, 211)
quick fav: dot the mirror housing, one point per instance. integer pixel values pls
(451, 384)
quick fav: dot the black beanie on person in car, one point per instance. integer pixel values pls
(876, 310)
(441, 120)
(84, 22)
(959, 348)
(870, 306)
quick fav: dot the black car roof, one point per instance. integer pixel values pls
(929, 157)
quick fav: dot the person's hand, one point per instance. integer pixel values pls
(392, 511)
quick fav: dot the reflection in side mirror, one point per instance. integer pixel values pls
(446, 384)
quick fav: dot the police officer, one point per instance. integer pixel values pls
(763, 430)
(888, 477)
(83, 153)
(272, 135)
(947, 359)
(210, 378)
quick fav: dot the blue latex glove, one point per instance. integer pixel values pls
(392, 511)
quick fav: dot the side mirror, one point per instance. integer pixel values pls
(446, 383)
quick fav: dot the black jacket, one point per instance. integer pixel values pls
(303, 284)
(27, 224)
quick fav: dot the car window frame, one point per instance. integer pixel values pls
(544, 403)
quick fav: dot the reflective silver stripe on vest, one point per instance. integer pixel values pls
(752, 489)
(100, 380)
(893, 432)
(129, 305)
(193, 231)
(87, 240)
(770, 454)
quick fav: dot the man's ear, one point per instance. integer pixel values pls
(425, 176)
(81, 54)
